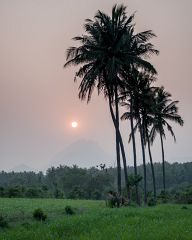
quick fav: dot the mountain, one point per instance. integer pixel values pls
(84, 153)
(22, 168)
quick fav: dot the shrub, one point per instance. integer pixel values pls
(152, 202)
(69, 210)
(164, 196)
(109, 203)
(3, 222)
(58, 194)
(113, 200)
(39, 215)
(184, 207)
(184, 196)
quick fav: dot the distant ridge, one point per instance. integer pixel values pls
(83, 153)
(22, 168)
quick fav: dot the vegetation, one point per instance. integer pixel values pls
(39, 215)
(110, 48)
(94, 221)
(114, 59)
(94, 183)
(164, 110)
(3, 222)
(69, 210)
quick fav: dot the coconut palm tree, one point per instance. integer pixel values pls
(109, 46)
(141, 98)
(129, 115)
(165, 110)
(147, 117)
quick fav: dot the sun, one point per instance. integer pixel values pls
(74, 124)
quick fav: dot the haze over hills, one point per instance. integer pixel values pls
(83, 153)
(22, 168)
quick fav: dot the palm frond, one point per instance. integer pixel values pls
(144, 36)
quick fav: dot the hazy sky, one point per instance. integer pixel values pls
(38, 98)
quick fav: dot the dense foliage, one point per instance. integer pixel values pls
(77, 183)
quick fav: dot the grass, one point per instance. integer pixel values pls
(94, 221)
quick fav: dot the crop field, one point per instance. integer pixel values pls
(93, 220)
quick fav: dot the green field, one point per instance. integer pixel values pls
(93, 220)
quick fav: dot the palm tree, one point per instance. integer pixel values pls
(141, 99)
(165, 110)
(108, 47)
(146, 102)
(125, 116)
(147, 113)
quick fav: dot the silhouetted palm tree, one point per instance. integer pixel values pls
(165, 110)
(140, 102)
(109, 47)
(148, 99)
(129, 115)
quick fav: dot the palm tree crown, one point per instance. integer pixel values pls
(164, 110)
(109, 46)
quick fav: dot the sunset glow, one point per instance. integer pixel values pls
(41, 113)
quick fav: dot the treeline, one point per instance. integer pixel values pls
(94, 183)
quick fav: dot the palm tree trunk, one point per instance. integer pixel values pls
(152, 167)
(121, 143)
(118, 149)
(134, 152)
(118, 164)
(124, 165)
(118, 134)
(116, 124)
(144, 161)
(163, 161)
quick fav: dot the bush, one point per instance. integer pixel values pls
(109, 203)
(39, 215)
(69, 210)
(113, 200)
(164, 197)
(3, 222)
(58, 194)
(184, 196)
(152, 202)
(184, 207)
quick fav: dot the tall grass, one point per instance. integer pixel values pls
(92, 220)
